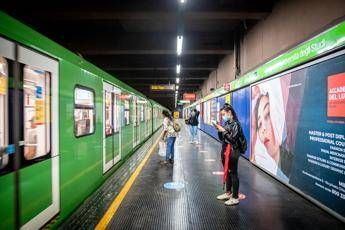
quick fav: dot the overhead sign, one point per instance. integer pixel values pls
(184, 101)
(319, 45)
(189, 96)
(162, 87)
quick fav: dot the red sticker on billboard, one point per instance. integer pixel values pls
(336, 95)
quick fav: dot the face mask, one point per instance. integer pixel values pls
(225, 118)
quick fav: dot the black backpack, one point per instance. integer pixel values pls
(242, 142)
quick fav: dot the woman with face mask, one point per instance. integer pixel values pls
(229, 134)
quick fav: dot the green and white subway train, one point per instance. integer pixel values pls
(65, 126)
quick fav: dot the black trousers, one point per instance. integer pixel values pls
(232, 181)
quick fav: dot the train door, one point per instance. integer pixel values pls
(154, 118)
(136, 139)
(39, 145)
(7, 185)
(150, 119)
(29, 159)
(140, 126)
(147, 119)
(111, 126)
(141, 112)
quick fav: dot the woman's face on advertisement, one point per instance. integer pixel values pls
(265, 128)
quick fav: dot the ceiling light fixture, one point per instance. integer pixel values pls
(177, 80)
(177, 87)
(178, 69)
(179, 45)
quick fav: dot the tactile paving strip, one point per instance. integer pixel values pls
(91, 211)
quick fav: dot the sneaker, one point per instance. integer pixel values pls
(191, 142)
(164, 162)
(171, 161)
(196, 142)
(224, 196)
(232, 201)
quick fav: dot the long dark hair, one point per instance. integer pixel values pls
(167, 114)
(227, 107)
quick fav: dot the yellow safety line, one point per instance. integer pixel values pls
(103, 223)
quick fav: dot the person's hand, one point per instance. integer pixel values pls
(220, 128)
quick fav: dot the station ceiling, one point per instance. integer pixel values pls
(135, 40)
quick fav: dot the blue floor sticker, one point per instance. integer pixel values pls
(174, 185)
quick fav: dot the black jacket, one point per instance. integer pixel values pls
(231, 134)
(193, 120)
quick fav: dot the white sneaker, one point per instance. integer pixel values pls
(196, 142)
(191, 142)
(232, 201)
(224, 196)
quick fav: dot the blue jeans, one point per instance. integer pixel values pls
(193, 132)
(170, 148)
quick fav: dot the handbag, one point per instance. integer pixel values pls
(162, 148)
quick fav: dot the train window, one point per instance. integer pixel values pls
(147, 113)
(4, 159)
(84, 111)
(142, 112)
(127, 121)
(116, 108)
(109, 113)
(148, 117)
(135, 111)
(36, 98)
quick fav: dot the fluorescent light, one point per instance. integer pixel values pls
(182, 1)
(177, 87)
(178, 69)
(176, 92)
(177, 80)
(179, 45)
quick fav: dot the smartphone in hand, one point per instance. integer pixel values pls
(214, 123)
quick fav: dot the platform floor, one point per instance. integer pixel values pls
(149, 205)
(268, 203)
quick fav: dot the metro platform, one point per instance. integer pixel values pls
(146, 201)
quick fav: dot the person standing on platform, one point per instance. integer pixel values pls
(194, 122)
(229, 134)
(169, 135)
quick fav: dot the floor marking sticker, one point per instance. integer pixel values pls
(210, 160)
(174, 185)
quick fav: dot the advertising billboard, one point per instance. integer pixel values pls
(298, 129)
(241, 105)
